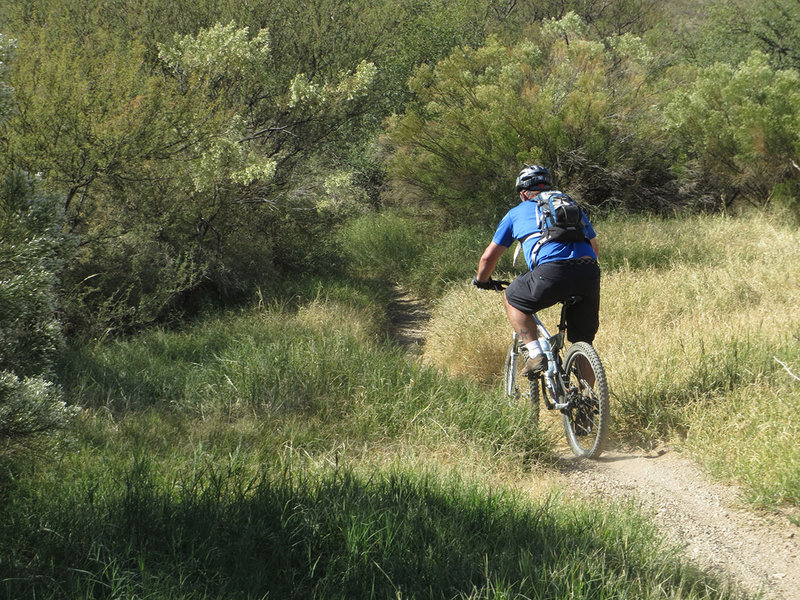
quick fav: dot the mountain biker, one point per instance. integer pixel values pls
(557, 269)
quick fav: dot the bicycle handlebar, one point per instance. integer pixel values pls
(492, 284)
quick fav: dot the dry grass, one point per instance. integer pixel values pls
(468, 334)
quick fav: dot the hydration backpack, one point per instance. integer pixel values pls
(562, 219)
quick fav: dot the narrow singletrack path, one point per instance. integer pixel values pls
(760, 550)
(408, 317)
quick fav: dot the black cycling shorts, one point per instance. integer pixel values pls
(546, 284)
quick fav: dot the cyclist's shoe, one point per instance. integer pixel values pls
(534, 365)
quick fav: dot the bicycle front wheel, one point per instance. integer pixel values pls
(516, 385)
(586, 421)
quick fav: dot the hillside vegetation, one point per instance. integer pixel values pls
(204, 207)
(289, 448)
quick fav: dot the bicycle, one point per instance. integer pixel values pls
(575, 385)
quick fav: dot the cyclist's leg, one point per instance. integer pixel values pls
(521, 322)
(529, 293)
(583, 319)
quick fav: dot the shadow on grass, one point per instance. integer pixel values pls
(338, 535)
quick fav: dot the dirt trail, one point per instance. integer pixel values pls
(756, 549)
(408, 318)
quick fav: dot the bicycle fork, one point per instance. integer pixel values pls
(555, 383)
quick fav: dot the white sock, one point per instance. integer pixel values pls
(534, 349)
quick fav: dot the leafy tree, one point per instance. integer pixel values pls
(739, 132)
(29, 332)
(102, 130)
(733, 29)
(558, 98)
(186, 135)
(167, 168)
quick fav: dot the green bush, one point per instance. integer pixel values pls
(32, 251)
(29, 407)
(736, 28)
(738, 133)
(559, 98)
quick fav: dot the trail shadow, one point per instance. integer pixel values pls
(228, 535)
(570, 463)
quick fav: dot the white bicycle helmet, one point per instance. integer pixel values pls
(533, 177)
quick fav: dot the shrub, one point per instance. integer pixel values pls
(29, 407)
(32, 250)
(559, 98)
(738, 132)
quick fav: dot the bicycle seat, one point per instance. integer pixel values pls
(570, 300)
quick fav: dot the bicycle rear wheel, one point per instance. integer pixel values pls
(586, 421)
(516, 385)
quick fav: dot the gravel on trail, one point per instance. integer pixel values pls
(759, 550)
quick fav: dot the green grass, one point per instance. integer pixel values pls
(423, 258)
(279, 368)
(215, 530)
(291, 453)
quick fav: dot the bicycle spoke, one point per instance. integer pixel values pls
(516, 385)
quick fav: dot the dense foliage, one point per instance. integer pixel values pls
(200, 150)
(33, 250)
(559, 98)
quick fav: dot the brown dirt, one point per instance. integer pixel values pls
(759, 550)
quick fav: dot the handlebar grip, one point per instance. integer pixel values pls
(492, 284)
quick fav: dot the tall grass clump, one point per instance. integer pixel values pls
(450, 257)
(381, 246)
(469, 334)
(752, 438)
(318, 375)
(692, 330)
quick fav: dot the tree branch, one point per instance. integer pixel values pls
(787, 368)
(257, 134)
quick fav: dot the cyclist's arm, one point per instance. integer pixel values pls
(489, 260)
(593, 242)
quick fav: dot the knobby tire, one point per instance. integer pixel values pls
(586, 422)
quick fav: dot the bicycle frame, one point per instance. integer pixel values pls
(554, 378)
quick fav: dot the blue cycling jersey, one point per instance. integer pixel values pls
(524, 223)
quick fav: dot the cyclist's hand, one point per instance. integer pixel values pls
(491, 284)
